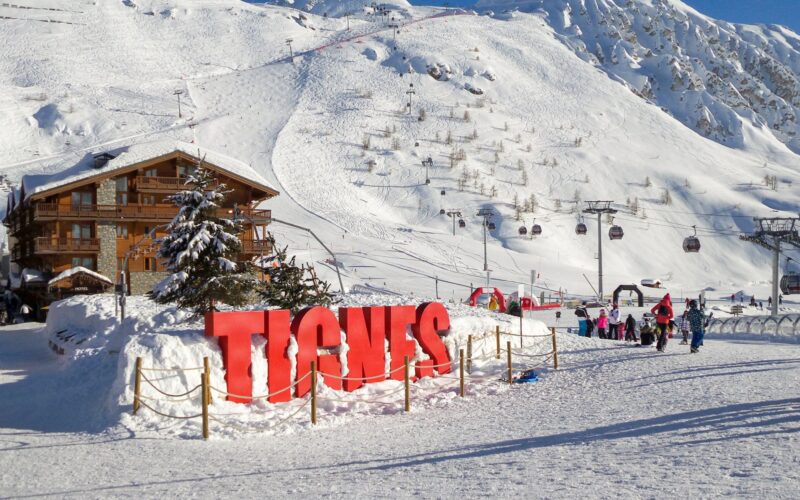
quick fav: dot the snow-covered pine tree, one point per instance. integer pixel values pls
(200, 249)
(291, 287)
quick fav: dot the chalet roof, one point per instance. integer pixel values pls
(137, 153)
(74, 271)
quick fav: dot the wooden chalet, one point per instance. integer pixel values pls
(112, 205)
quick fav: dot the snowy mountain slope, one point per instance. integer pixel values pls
(708, 74)
(544, 114)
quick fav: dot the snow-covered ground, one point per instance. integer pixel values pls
(613, 421)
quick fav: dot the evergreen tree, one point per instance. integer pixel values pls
(291, 287)
(201, 249)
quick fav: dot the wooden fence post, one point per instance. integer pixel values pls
(407, 384)
(510, 374)
(204, 389)
(555, 349)
(137, 385)
(207, 372)
(497, 335)
(314, 392)
(461, 371)
(469, 354)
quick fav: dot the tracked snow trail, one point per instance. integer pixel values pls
(614, 421)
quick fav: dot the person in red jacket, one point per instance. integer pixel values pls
(663, 312)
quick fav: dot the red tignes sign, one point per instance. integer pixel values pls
(317, 328)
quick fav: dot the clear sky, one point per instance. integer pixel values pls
(786, 12)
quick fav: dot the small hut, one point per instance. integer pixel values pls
(78, 281)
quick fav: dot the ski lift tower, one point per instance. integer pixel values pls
(487, 214)
(454, 213)
(599, 207)
(770, 233)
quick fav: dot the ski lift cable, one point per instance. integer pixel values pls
(698, 213)
(679, 226)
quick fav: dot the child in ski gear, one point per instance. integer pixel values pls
(646, 332)
(583, 317)
(685, 325)
(630, 329)
(602, 324)
(589, 327)
(493, 303)
(614, 320)
(697, 324)
(664, 314)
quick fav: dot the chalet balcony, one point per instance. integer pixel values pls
(71, 245)
(256, 247)
(140, 213)
(147, 184)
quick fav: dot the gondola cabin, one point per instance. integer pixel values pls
(536, 230)
(523, 231)
(580, 229)
(790, 284)
(691, 244)
(615, 233)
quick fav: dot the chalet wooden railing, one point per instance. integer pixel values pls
(255, 247)
(51, 245)
(52, 211)
(146, 183)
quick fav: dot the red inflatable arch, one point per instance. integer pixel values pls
(501, 300)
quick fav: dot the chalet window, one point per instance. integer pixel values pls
(122, 190)
(120, 263)
(86, 262)
(81, 231)
(148, 199)
(81, 198)
(122, 230)
(151, 172)
(150, 264)
(186, 170)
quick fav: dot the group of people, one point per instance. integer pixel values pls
(610, 325)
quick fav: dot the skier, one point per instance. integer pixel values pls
(583, 317)
(664, 314)
(733, 298)
(697, 322)
(493, 303)
(602, 325)
(630, 329)
(614, 320)
(769, 301)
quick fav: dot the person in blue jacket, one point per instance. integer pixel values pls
(697, 321)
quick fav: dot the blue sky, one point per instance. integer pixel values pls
(786, 12)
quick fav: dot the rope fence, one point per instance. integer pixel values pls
(462, 365)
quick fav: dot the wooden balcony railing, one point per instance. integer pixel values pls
(52, 211)
(144, 183)
(255, 247)
(71, 245)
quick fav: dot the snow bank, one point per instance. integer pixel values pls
(172, 347)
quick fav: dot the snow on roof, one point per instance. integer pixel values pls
(131, 155)
(79, 269)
